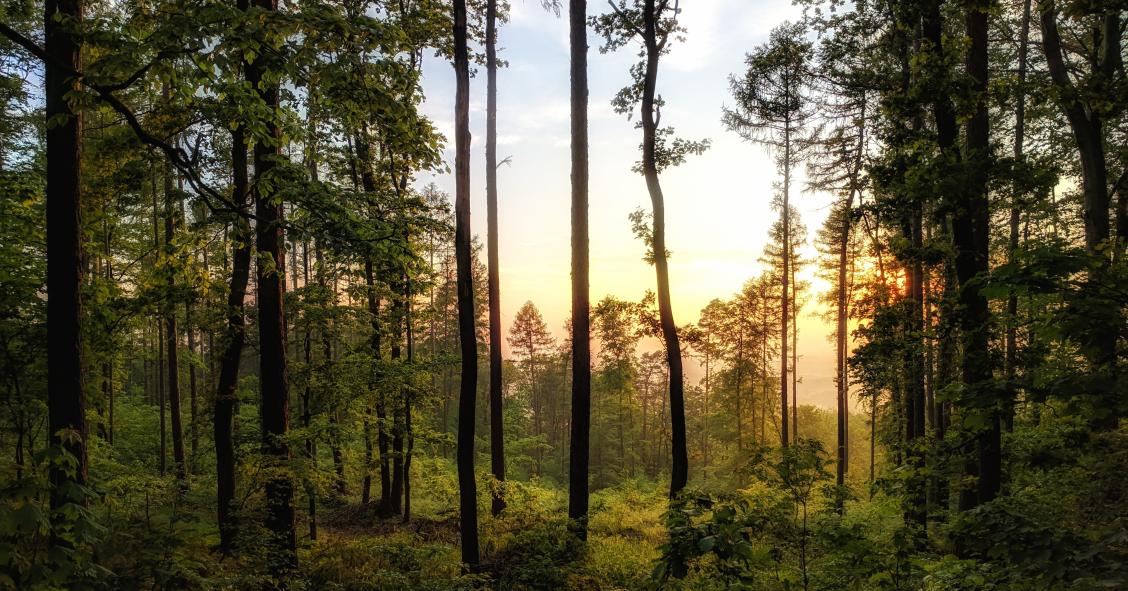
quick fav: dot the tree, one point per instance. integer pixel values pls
(274, 409)
(773, 109)
(172, 335)
(497, 432)
(467, 489)
(839, 165)
(578, 451)
(66, 399)
(653, 23)
(1084, 97)
(531, 343)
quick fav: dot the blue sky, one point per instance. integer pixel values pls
(717, 204)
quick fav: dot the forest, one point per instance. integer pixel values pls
(250, 339)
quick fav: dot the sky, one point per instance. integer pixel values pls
(717, 204)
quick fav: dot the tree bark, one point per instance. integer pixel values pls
(497, 433)
(679, 471)
(1099, 339)
(1011, 351)
(171, 336)
(235, 337)
(274, 410)
(467, 488)
(970, 231)
(579, 447)
(66, 398)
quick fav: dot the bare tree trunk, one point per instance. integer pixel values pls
(1011, 351)
(234, 338)
(275, 407)
(172, 337)
(679, 472)
(467, 488)
(970, 232)
(784, 279)
(579, 449)
(66, 398)
(497, 433)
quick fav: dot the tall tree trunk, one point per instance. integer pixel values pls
(376, 345)
(66, 398)
(970, 233)
(307, 337)
(307, 407)
(160, 347)
(794, 347)
(1011, 353)
(368, 183)
(274, 410)
(1099, 339)
(409, 435)
(467, 488)
(171, 336)
(194, 433)
(679, 472)
(497, 432)
(579, 445)
(234, 338)
(784, 280)
(394, 502)
(842, 380)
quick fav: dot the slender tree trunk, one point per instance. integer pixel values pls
(581, 303)
(679, 472)
(497, 433)
(160, 347)
(740, 382)
(274, 410)
(394, 504)
(307, 408)
(1011, 352)
(842, 380)
(467, 488)
(66, 398)
(193, 407)
(108, 367)
(234, 338)
(171, 334)
(409, 435)
(785, 299)
(970, 231)
(794, 351)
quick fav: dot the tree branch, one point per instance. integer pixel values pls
(626, 20)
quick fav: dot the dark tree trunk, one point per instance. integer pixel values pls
(307, 336)
(970, 232)
(368, 183)
(467, 489)
(66, 398)
(578, 451)
(1099, 339)
(160, 347)
(194, 433)
(234, 338)
(785, 307)
(497, 432)
(393, 504)
(842, 380)
(274, 410)
(1011, 351)
(409, 435)
(171, 337)
(679, 471)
